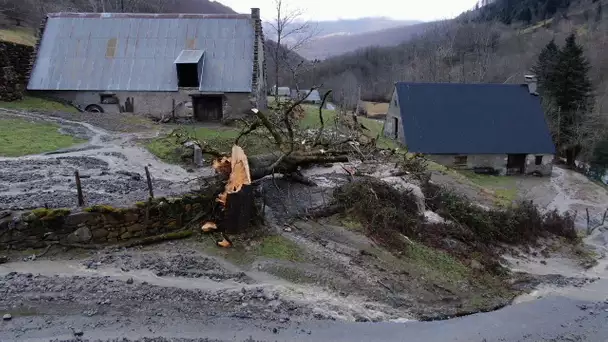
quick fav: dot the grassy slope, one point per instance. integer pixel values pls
(502, 188)
(38, 104)
(20, 137)
(18, 35)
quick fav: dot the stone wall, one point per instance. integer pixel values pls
(15, 67)
(101, 224)
(152, 103)
(497, 162)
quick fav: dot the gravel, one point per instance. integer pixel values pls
(116, 298)
(167, 265)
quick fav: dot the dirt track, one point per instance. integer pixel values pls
(111, 166)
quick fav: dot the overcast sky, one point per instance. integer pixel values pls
(425, 10)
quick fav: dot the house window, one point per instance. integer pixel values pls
(460, 160)
(538, 160)
(111, 48)
(108, 98)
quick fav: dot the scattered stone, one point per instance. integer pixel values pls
(275, 331)
(288, 229)
(90, 313)
(543, 262)
(78, 332)
(3, 259)
(476, 265)
(583, 307)
(81, 235)
(7, 317)
(591, 312)
(198, 156)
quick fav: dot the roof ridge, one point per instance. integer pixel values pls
(460, 84)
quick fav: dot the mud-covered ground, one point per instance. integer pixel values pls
(111, 167)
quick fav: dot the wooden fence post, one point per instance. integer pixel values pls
(151, 191)
(79, 189)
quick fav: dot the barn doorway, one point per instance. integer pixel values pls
(208, 107)
(396, 130)
(516, 164)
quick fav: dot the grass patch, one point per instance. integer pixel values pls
(352, 224)
(278, 247)
(438, 261)
(50, 213)
(103, 208)
(20, 137)
(503, 188)
(18, 35)
(221, 138)
(38, 104)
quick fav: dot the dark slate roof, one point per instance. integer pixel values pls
(456, 118)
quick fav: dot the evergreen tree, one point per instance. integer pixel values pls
(545, 66)
(569, 83)
(570, 89)
(598, 12)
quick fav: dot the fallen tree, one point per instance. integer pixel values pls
(293, 148)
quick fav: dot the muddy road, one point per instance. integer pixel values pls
(111, 166)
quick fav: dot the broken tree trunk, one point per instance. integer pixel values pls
(237, 198)
(261, 165)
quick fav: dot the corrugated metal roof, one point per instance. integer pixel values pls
(136, 52)
(189, 57)
(456, 118)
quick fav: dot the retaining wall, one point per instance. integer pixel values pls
(15, 68)
(102, 224)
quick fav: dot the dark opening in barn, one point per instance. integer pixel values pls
(207, 107)
(189, 67)
(187, 75)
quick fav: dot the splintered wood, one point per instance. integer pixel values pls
(236, 168)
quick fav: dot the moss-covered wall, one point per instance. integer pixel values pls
(102, 224)
(15, 67)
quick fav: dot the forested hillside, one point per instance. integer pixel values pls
(30, 12)
(469, 49)
(490, 44)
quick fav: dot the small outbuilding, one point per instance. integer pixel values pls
(309, 96)
(494, 128)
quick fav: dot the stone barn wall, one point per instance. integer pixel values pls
(102, 224)
(15, 67)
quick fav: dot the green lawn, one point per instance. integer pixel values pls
(220, 138)
(20, 137)
(18, 35)
(38, 104)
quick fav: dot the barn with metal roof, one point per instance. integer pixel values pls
(497, 128)
(153, 63)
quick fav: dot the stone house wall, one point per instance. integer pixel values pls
(100, 224)
(15, 68)
(393, 120)
(495, 161)
(155, 104)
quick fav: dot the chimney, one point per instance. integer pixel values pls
(532, 84)
(255, 13)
